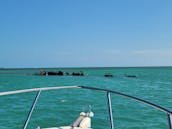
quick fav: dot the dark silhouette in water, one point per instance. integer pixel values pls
(59, 73)
(108, 75)
(67, 73)
(131, 76)
(51, 73)
(78, 74)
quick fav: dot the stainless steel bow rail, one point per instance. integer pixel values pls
(108, 92)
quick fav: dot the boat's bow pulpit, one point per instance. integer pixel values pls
(83, 121)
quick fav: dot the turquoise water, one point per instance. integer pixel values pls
(57, 108)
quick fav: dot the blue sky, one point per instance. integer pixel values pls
(85, 33)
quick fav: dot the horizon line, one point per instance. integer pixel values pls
(80, 67)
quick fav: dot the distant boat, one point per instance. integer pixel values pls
(83, 121)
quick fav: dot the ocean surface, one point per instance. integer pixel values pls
(61, 107)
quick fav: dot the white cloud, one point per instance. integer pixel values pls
(142, 57)
(153, 52)
(145, 52)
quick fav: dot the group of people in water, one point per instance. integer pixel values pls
(61, 73)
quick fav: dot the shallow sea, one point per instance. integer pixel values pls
(61, 107)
